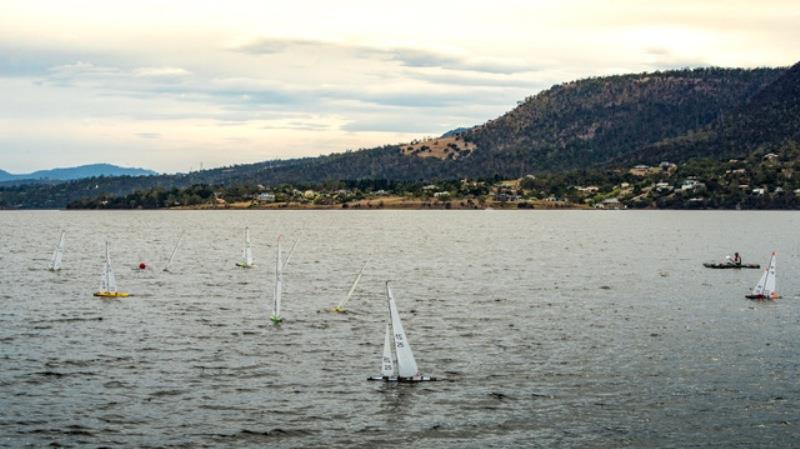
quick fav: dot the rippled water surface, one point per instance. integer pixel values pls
(553, 329)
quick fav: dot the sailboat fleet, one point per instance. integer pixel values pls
(397, 361)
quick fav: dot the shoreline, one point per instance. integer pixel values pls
(390, 203)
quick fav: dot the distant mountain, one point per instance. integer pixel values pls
(71, 173)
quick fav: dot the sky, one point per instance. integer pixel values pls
(171, 85)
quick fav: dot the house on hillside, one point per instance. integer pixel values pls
(663, 187)
(639, 170)
(691, 184)
(668, 167)
(609, 204)
(588, 190)
(265, 197)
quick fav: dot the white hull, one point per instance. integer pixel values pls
(403, 379)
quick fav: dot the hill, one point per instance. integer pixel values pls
(767, 121)
(592, 123)
(70, 173)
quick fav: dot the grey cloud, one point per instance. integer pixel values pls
(408, 57)
(393, 124)
(657, 51)
(460, 79)
(26, 61)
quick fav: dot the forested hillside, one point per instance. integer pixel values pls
(591, 123)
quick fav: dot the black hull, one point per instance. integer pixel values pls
(725, 266)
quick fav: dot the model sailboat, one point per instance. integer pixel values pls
(339, 308)
(172, 254)
(58, 254)
(397, 363)
(276, 317)
(108, 283)
(766, 288)
(247, 253)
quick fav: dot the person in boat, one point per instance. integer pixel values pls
(737, 259)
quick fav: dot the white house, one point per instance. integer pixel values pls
(266, 197)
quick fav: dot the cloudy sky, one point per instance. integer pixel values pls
(169, 85)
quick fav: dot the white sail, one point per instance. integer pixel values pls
(276, 305)
(388, 365)
(769, 284)
(247, 256)
(352, 288)
(108, 282)
(291, 250)
(406, 365)
(759, 288)
(174, 250)
(58, 254)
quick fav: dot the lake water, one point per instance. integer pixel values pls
(553, 329)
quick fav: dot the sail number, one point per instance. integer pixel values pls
(398, 340)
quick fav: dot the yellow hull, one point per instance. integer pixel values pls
(111, 294)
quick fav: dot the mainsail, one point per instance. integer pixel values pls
(406, 365)
(276, 305)
(341, 305)
(769, 284)
(291, 250)
(58, 254)
(174, 250)
(108, 282)
(247, 255)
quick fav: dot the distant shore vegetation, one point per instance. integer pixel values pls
(758, 181)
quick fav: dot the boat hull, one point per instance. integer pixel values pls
(762, 297)
(244, 265)
(726, 266)
(111, 294)
(409, 380)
